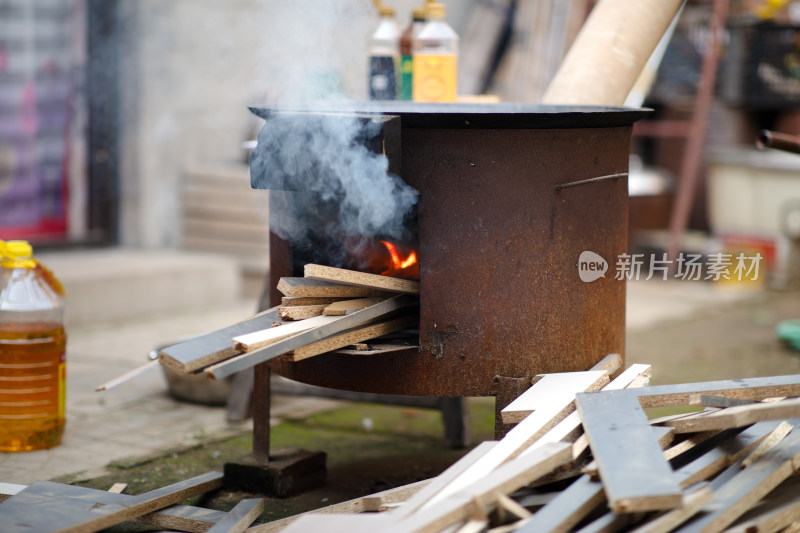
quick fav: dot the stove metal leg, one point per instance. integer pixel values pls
(506, 390)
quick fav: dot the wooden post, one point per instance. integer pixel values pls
(695, 141)
(610, 52)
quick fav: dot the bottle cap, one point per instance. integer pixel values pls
(418, 13)
(21, 249)
(386, 11)
(16, 254)
(434, 10)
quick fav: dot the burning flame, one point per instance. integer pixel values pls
(403, 267)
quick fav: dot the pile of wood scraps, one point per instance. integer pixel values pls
(48, 507)
(584, 456)
(326, 310)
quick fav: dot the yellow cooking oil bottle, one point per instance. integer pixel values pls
(32, 352)
(435, 66)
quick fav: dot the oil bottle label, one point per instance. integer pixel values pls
(435, 78)
(382, 78)
(406, 77)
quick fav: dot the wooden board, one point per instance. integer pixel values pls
(483, 492)
(361, 333)
(240, 517)
(571, 506)
(194, 354)
(692, 504)
(17, 513)
(570, 429)
(337, 325)
(526, 432)
(635, 475)
(342, 307)
(442, 480)
(739, 416)
(746, 389)
(377, 349)
(620, 439)
(775, 436)
(179, 517)
(288, 301)
(712, 456)
(357, 505)
(547, 386)
(307, 287)
(360, 279)
(265, 337)
(747, 486)
(300, 312)
(778, 510)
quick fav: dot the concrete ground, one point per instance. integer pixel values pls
(668, 322)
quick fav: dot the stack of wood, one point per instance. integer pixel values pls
(328, 309)
(48, 507)
(584, 457)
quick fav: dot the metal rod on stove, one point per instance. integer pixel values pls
(590, 180)
(778, 141)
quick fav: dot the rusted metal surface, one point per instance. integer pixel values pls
(499, 246)
(261, 407)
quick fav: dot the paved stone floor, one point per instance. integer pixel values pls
(139, 417)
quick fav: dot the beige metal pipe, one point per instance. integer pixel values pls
(610, 52)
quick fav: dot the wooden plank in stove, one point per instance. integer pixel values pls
(361, 279)
(314, 288)
(336, 325)
(59, 514)
(199, 352)
(288, 301)
(259, 339)
(354, 335)
(342, 307)
(300, 312)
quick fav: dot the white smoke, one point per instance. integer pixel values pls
(312, 46)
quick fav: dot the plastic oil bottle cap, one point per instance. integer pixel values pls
(418, 13)
(16, 254)
(435, 10)
(386, 11)
(21, 249)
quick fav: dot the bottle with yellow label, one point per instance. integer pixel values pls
(32, 352)
(435, 64)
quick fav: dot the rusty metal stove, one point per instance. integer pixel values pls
(499, 243)
(499, 240)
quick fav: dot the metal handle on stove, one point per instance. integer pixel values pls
(589, 180)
